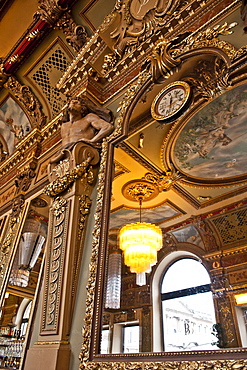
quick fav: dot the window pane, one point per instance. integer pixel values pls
(131, 339)
(184, 273)
(188, 323)
(104, 345)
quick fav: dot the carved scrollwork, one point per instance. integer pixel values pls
(49, 11)
(85, 205)
(209, 79)
(165, 58)
(138, 21)
(207, 38)
(24, 177)
(17, 207)
(58, 226)
(62, 183)
(76, 35)
(28, 100)
(163, 182)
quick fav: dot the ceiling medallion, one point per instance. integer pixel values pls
(136, 189)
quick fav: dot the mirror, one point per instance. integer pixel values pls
(190, 177)
(17, 311)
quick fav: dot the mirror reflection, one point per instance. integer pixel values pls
(23, 285)
(187, 290)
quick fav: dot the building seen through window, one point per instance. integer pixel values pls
(187, 307)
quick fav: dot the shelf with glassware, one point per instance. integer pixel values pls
(11, 347)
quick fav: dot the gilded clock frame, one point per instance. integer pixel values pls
(174, 114)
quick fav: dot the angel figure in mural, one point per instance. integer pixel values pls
(18, 132)
(84, 122)
(217, 133)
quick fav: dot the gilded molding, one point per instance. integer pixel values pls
(51, 343)
(28, 101)
(49, 11)
(62, 183)
(127, 99)
(207, 38)
(76, 35)
(58, 227)
(88, 320)
(8, 243)
(84, 209)
(166, 55)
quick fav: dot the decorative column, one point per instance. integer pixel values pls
(225, 330)
(71, 184)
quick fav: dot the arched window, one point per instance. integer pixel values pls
(25, 318)
(188, 314)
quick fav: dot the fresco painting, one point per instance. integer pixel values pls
(213, 142)
(156, 215)
(188, 235)
(14, 124)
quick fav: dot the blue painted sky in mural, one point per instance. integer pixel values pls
(213, 142)
(155, 215)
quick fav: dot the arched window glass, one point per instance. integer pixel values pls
(25, 319)
(187, 307)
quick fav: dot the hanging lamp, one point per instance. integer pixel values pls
(31, 243)
(140, 241)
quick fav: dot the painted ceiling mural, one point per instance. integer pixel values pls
(157, 215)
(14, 124)
(213, 143)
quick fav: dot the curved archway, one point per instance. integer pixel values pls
(183, 309)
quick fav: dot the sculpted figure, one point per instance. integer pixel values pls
(84, 122)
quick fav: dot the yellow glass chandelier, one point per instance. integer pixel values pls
(140, 242)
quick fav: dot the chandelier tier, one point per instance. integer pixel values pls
(140, 241)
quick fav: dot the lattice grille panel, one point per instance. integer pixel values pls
(48, 74)
(232, 227)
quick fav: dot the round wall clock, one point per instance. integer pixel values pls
(171, 101)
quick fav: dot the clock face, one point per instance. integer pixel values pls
(170, 101)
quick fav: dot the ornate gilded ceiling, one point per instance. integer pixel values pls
(198, 162)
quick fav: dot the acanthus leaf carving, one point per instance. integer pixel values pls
(163, 182)
(138, 22)
(49, 11)
(165, 58)
(209, 79)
